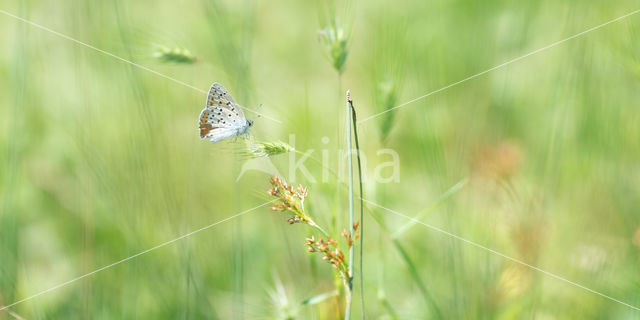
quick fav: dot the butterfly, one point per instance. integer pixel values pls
(222, 118)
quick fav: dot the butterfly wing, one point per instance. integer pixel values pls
(222, 117)
(220, 97)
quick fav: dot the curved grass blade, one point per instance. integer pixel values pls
(432, 207)
(319, 298)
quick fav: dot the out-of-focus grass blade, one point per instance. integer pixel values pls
(391, 312)
(319, 298)
(428, 210)
(413, 271)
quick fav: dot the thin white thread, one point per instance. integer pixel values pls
(123, 59)
(132, 257)
(501, 65)
(502, 255)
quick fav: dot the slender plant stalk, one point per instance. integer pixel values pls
(392, 312)
(412, 268)
(355, 136)
(321, 230)
(416, 276)
(13, 314)
(334, 214)
(347, 314)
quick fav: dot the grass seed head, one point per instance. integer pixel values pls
(330, 253)
(174, 55)
(290, 199)
(258, 149)
(334, 38)
(386, 99)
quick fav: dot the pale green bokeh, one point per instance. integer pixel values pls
(100, 160)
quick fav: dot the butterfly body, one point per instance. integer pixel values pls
(222, 117)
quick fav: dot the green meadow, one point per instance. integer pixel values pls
(499, 145)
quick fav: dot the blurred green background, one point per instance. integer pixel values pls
(100, 160)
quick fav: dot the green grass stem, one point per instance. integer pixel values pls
(347, 314)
